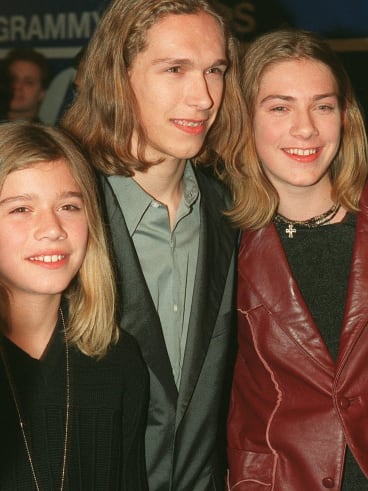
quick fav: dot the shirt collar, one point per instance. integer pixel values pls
(127, 192)
(190, 185)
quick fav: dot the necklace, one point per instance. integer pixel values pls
(313, 222)
(21, 418)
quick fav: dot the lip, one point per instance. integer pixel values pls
(49, 260)
(303, 154)
(190, 126)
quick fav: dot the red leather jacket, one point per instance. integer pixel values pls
(292, 409)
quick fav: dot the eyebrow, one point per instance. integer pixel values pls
(30, 197)
(317, 97)
(186, 61)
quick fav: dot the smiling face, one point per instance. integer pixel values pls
(297, 123)
(44, 230)
(178, 81)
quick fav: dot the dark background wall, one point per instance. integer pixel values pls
(344, 23)
(59, 28)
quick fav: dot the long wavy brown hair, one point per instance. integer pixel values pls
(105, 112)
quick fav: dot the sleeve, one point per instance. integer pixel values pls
(135, 404)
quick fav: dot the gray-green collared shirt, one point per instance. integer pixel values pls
(168, 257)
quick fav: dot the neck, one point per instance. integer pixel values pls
(303, 203)
(31, 324)
(21, 115)
(164, 182)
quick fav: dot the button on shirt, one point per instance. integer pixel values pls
(168, 257)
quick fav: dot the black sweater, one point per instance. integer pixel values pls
(107, 419)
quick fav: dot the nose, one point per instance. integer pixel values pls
(199, 94)
(49, 226)
(304, 125)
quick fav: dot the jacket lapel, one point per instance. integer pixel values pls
(216, 247)
(268, 274)
(137, 311)
(357, 297)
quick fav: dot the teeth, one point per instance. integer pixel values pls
(48, 259)
(192, 124)
(301, 152)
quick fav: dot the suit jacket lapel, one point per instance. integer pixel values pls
(216, 247)
(138, 314)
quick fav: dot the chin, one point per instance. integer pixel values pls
(190, 154)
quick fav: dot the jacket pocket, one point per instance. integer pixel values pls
(250, 471)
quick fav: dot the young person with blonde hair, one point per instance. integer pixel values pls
(157, 100)
(73, 386)
(298, 413)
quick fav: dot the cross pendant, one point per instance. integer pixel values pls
(290, 231)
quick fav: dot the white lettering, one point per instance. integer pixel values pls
(35, 28)
(17, 26)
(55, 27)
(48, 27)
(79, 29)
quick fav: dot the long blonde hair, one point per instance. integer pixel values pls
(91, 295)
(255, 198)
(105, 111)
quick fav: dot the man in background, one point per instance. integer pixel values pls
(29, 75)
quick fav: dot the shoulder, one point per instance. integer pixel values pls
(108, 200)
(125, 354)
(364, 197)
(211, 186)
(134, 369)
(122, 365)
(128, 347)
(102, 181)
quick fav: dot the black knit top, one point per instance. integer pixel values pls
(320, 259)
(107, 419)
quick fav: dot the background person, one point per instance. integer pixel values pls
(73, 387)
(298, 414)
(169, 93)
(30, 74)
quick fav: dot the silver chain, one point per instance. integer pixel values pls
(21, 421)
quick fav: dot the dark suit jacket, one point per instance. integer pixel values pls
(184, 428)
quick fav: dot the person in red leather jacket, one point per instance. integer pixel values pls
(298, 417)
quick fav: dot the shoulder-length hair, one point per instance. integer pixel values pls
(105, 110)
(91, 294)
(255, 198)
